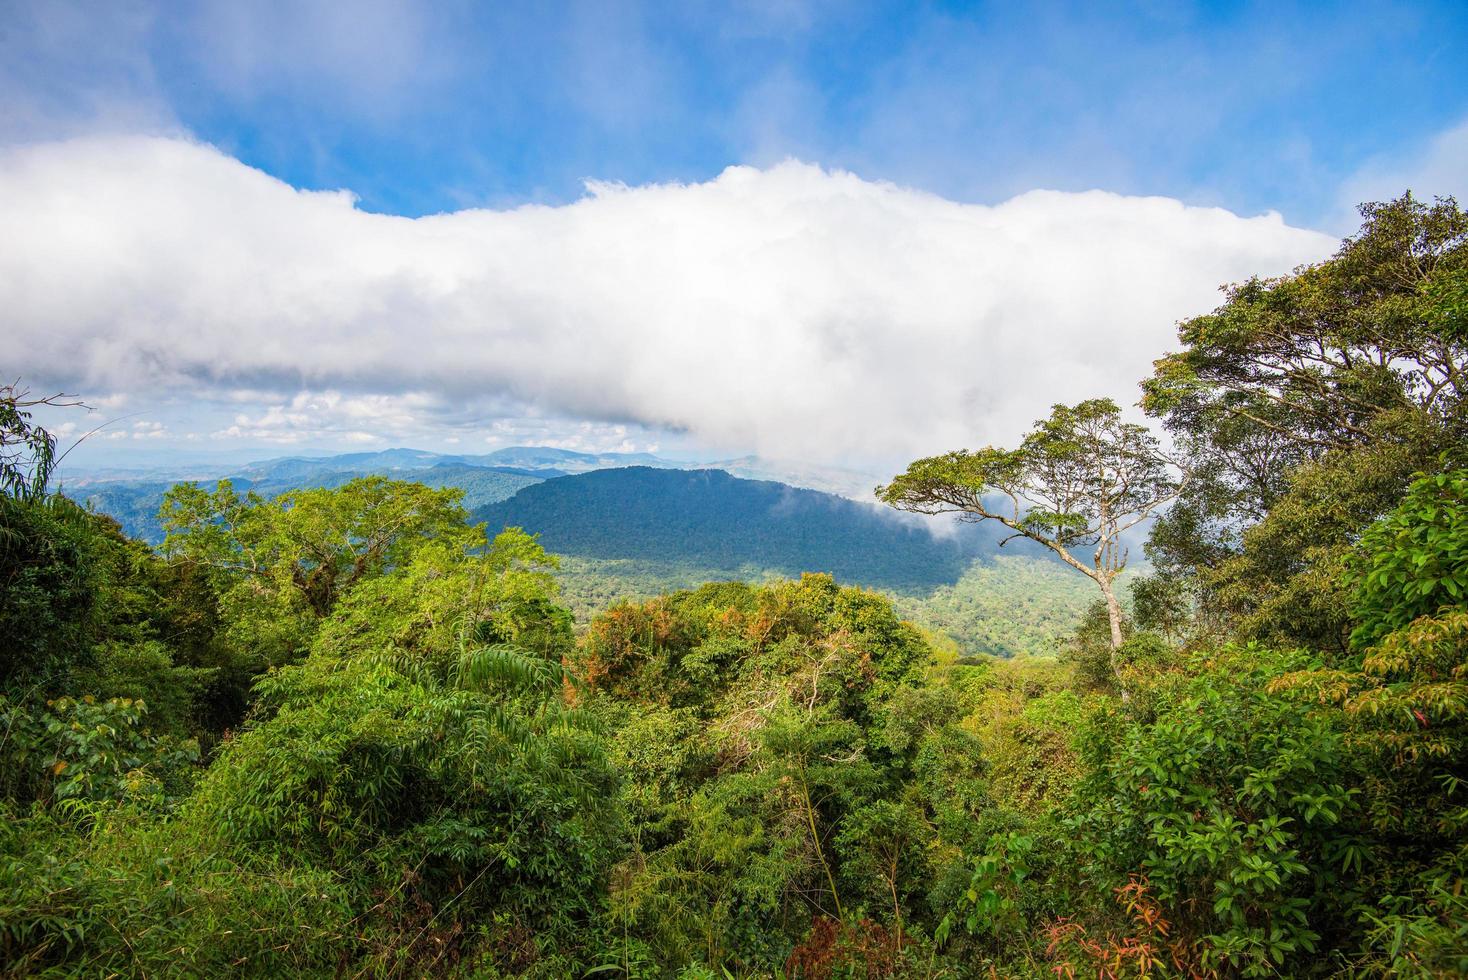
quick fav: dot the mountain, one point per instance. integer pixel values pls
(132, 497)
(729, 527)
(386, 462)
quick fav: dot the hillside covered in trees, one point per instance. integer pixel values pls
(709, 520)
(350, 729)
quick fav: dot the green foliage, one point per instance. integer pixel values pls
(1286, 584)
(1404, 712)
(1164, 605)
(313, 545)
(1305, 404)
(992, 903)
(285, 563)
(145, 672)
(139, 893)
(89, 750)
(764, 740)
(419, 771)
(1229, 801)
(48, 589)
(1413, 562)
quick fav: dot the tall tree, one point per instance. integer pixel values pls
(1369, 346)
(1304, 405)
(1080, 480)
(283, 565)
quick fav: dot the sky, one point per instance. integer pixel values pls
(831, 232)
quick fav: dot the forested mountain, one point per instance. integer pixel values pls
(733, 528)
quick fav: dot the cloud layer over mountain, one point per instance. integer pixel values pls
(793, 311)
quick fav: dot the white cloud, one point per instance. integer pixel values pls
(330, 416)
(793, 311)
(563, 433)
(137, 431)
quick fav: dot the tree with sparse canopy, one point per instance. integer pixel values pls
(1081, 479)
(27, 451)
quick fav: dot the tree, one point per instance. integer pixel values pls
(1303, 406)
(282, 566)
(316, 544)
(1366, 347)
(1325, 358)
(27, 451)
(1081, 479)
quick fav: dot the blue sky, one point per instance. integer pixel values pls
(421, 109)
(424, 108)
(432, 107)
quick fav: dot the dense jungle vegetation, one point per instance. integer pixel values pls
(343, 731)
(639, 531)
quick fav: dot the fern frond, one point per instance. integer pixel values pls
(506, 667)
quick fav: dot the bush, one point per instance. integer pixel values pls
(48, 593)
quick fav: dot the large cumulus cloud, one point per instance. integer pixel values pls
(791, 310)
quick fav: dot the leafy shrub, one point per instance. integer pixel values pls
(1414, 561)
(89, 750)
(1230, 802)
(48, 593)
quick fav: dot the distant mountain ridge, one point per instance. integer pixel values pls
(132, 497)
(539, 461)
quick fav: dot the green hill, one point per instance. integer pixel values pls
(638, 532)
(734, 528)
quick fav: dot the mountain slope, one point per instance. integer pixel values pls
(728, 526)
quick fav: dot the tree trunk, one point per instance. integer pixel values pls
(1113, 612)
